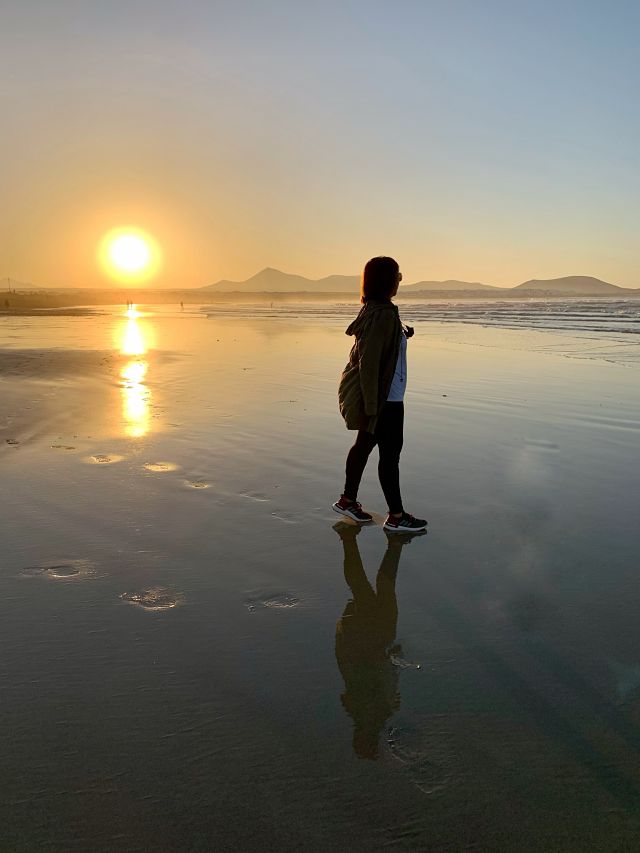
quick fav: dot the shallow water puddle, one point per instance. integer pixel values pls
(60, 570)
(103, 459)
(161, 467)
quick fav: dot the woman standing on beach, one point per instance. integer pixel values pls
(371, 394)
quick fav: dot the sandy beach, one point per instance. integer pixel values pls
(175, 657)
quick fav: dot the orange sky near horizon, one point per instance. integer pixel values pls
(240, 141)
(64, 252)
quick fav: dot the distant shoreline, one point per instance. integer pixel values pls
(16, 303)
(47, 312)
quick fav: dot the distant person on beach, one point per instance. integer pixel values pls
(371, 394)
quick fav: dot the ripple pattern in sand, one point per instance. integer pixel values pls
(154, 598)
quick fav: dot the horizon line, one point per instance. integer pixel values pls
(122, 286)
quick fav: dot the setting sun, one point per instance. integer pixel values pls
(129, 255)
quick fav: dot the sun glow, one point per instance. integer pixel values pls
(135, 398)
(133, 340)
(129, 255)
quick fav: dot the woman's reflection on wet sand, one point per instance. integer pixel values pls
(364, 639)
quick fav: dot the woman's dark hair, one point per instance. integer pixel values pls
(379, 279)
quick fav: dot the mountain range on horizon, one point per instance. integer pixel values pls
(270, 280)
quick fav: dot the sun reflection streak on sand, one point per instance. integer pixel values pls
(133, 341)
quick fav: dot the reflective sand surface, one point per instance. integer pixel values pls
(195, 658)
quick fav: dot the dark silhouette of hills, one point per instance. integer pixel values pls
(449, 286)
(270, 280)
(584, 285)
(271, 284)
(274, 281)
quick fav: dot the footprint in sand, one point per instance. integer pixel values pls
(255, 496)
(277, 601)
(154, 598)
(102, 459)
(60, 570)
(541, 444)
(62, 447)
(286, 517)
(11, 441)
(401, 663)
(197, 484)
(161, 467)
(425, 756)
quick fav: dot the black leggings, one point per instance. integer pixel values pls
(388, 437)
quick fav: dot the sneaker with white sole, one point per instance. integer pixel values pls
(352, 509)
(407, 523)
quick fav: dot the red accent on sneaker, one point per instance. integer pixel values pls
(347, 502)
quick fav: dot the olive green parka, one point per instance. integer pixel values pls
(366, 379)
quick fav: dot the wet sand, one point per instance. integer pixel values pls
(194, 658)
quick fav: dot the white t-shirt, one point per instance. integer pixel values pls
(399, 383)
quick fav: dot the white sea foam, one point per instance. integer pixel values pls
(602, 315)
(611, 326)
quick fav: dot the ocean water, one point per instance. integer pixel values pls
(611, 324)
(195, 658)
(595, 314)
